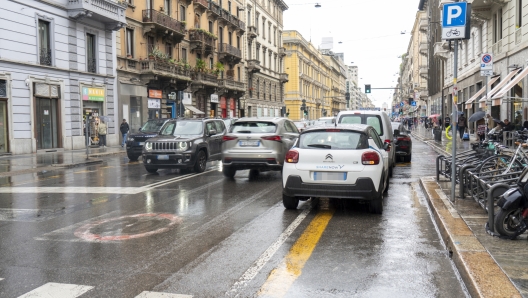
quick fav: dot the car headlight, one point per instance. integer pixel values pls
(130, 139)
(183, 146)
(148, 146)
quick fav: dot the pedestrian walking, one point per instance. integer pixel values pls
(462, 125)
(124, 128)
(518, 120)
(102, 130)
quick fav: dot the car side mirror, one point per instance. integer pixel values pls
(387, 147)
(396, 132)
(139, 129)
(212, 132)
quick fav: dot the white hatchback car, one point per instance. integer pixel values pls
(337, 161)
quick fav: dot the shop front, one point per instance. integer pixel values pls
(93, 107)
(232, 108)
(223, 107)
(154, 103)
(214, 106)
(47, 116)
(4, 137)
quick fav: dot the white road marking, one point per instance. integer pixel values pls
(28, 215)
(147, 294)
(1, 279)
(97, 190)
(266, 256)
(57, 290)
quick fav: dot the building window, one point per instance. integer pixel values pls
(221, 35)
(44, 42)
(249, 18)
(237, 12)
(519, 13)
(91, 64)
(257, 53)
(196, 21)
(238, 73)
(269, 33)
(168, 50)
(258, 88)
(229, 37)
(211, 63)
(184, 54)
(210, 26)
(167, 7)
(220, 3)
(182, 13)
(129, 42)
(238, 42)
(130, 2)
(229, 6)
(264, 28)
(257, 23)
(264, 58)
(3, 88)
(150, 44)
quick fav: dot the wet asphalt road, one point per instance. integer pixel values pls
(115, 231)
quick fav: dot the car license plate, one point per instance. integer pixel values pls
(336, 176)
(249, 143)
(163, 157)
(141, 143)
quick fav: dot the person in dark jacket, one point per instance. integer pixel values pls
(124, 128)
(462, 125)
(508, 126)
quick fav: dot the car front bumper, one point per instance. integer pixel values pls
(363, 189)
(174, 161)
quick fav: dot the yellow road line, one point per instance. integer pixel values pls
(281, 278)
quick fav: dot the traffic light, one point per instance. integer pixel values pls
(303, 106)
(367, 88)
(347, 96)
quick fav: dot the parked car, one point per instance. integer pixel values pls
(343, 161)
(135, 141)
(328, 120)
(377, 119)
(301, 125)
(184, 143)
(402, 142)
(257, 144)
(228, 122)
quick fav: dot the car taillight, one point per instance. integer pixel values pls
(404, 139)
(228, 138)
(273, 138)
(370, 158)
(388, 141)
(292, 156)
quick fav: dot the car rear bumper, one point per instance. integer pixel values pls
(363, 189)
(402, 153)
(267, 163)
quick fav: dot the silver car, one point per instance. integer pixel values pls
(257, 144)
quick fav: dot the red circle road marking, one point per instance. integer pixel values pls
(84, 231)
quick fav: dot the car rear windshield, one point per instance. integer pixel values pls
(372, 120)
(333, 139)
(152, 125)
(180, 128)
(253, 127)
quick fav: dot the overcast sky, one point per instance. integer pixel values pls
(370, 32)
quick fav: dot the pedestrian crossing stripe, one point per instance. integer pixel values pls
(60, 290)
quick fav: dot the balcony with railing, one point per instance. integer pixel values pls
(228, 83)
(163, 24)
(214, 9)
(229, 54)
(253, 65)
(111, 13)
(150, 69)
(91, 65)
(497, 47)
(45, 57)
(252, 32)
(282, 51)
(204, 4)
(204, 78)
(423, 48)
(202, 40)
(283, 78)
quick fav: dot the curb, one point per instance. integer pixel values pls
(106, 153)
(471, 258)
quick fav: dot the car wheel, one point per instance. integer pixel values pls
(201, 161)
(290, 202)
(151, 170)
(376, 204)
(386, 186)
(408, 158)
(391, 168)
(133, 157)
(228, 172)
(253, 174)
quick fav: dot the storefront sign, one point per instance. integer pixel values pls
(187, 98)
(93, 94)
(214, 98)
(154, 103)
(155, 93)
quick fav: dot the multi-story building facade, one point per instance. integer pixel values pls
(352, 87)
(313, 77)
(181, 58)
(497, 27)
(264, 56)
(57, 67)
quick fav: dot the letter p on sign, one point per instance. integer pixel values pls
(453, 12)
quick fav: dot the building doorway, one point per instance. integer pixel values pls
(47, 125)
(4, 145)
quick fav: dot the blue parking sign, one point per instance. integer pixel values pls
(456, 20)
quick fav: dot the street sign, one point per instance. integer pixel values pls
(486, 64)
(486, 73)
(401, 104)
(455, 20)
(413, 103)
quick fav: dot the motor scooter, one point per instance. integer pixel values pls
(512, 219)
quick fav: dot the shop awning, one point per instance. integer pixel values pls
(193, 109)
(510, 85)
(500, 85)
(482, 90)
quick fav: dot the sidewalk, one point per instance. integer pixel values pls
(11, 165)
(489, 266)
